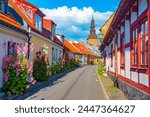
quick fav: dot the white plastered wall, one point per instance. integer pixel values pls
(7, 36)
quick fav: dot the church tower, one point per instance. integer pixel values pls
(92, 39)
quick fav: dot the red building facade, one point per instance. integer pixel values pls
(127, 45)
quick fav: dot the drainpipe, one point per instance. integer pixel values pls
(29, 38)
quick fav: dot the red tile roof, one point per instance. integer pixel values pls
(71, 47)
(7, 19)
(81, 47)
(19, 5)
(47, 24)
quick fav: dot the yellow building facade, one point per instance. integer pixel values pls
(39, 42)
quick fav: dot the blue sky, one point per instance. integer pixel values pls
(73, 16)
(97, 5)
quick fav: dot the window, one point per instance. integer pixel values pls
(122, 50)
(60, 56)
(144, 43)
(53, 29)
(11, 48)
(142, 6)
(3, 6)
(134, 49)
(56, 55)
(111, 55)
(38, 21)
(53, 56)
(0, 5)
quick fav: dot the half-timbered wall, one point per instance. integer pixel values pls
(137, 76)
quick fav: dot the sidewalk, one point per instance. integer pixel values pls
(112, 92)
(36, 87)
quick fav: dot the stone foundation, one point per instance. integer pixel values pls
(130, 91)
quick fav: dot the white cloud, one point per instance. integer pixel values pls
(75, 29)
(74, 23)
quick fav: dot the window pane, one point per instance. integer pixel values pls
(133, 36)
(133, 59)
(142, 30)
(142, 44)
(37, 20)
(3, 7)
(136, 33)
(40, 24)
(136, 55)
(146, 26)
(142, 58)
(56, 55)
(147, 51)
(0, 5)
(53, 55)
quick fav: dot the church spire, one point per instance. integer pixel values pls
(92, 29)
(92, 23)
(92, 16)
(92, 39)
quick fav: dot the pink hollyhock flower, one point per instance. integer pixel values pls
(15, 48)
(13, 65)
(17, 73)
(11, 42)
(18, 69)
(4, 44)
(31, 46)
(25, 50)
(17, 63)
(30, 70)
(6, 77)
(18, 50)
(20, 45)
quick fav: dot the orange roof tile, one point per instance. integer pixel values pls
(71, 47)
(82, 48)
(7, 19)
(22, 3)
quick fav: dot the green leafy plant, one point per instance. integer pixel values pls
(41, 67)
(56, 68)
(101, 69)
(16, 69)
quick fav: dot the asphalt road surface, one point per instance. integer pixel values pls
(80, 84)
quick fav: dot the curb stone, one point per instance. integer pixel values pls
(104, 90)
